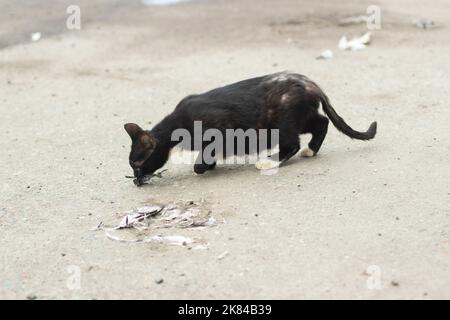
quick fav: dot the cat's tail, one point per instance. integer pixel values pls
(340, 124)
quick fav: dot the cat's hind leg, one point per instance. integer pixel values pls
(318, 127)
(286, 152)
(289, 145)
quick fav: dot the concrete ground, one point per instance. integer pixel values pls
(362, 220)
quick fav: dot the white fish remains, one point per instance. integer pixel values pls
(356, 43)
(150, 218)
(138, 215)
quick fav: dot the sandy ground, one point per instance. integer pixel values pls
(321, 228)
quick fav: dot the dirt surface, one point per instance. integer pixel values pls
(327, 227)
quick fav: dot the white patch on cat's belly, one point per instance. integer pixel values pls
(266, 164)
(306, 152)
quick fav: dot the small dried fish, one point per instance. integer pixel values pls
(138, 215)
(356, 43)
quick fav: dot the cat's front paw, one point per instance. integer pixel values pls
(266, 164)
(201, 168)
(306, 152)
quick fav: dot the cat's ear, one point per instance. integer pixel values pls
(133, 130)
(147, 140)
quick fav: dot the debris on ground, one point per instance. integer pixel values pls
(98, 227)
(222, 255)
(356, 43)
(36, 36)
(151, 224)
(424, 24)
(395, 283)
(327, 54)
(172, 240)
(181, 215)
(353, 20)
(137, 215)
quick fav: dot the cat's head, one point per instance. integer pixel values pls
(143, 147)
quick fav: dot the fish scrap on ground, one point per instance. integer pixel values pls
(137, 215)
(144, 221)
(356, 43)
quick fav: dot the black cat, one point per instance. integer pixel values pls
(286, 102)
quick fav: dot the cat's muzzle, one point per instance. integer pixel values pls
(142, 180)
(138, 181)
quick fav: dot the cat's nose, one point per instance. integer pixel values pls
(137, 173)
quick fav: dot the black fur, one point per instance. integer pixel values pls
(285, 101)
